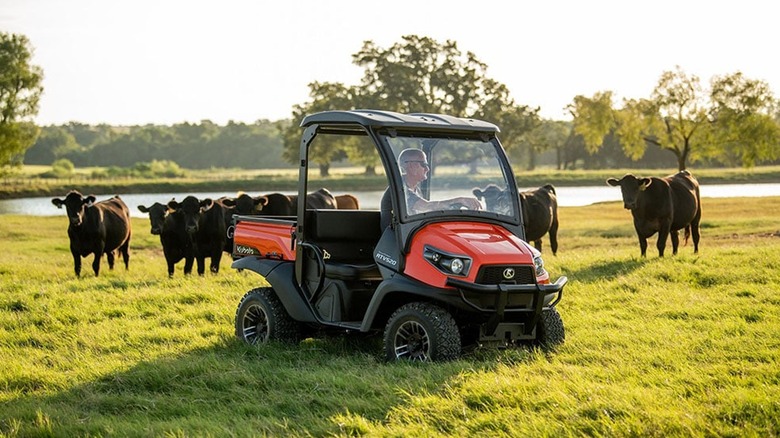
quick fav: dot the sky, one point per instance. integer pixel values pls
(131, 62)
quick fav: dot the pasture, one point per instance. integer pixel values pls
(680, 346)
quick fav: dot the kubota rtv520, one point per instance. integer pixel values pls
(434, 276)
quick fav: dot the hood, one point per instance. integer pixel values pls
(485, 243)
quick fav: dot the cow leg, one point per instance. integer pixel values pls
(110, 259)
(554, 236)
(642, 239)
(538, 244)
(125, 251)
(188, 260)
(96, 262)
(695, 231)
(201, 264)
(675, 234)
(663, 234)
(76, 262)
(171, 265)
(643, 245)
(216, 258)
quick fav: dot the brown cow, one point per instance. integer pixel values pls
(347, 202)
(96, 228)
(663, 206)
(539, 208)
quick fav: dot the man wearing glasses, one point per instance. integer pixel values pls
(414, 168)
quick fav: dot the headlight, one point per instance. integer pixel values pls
(456, 266)
(447, 263)
(539, 265)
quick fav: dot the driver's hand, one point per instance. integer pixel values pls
(470, 203)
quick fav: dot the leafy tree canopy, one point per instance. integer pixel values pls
(731, 122)
(20, 92)
(416, 75)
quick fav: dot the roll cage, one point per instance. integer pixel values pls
(384, 128)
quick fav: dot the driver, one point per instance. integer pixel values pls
(414, 168)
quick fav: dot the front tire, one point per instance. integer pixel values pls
(549, 330)
(421, 332)
(261, 317)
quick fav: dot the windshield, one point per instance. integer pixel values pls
(452, 174)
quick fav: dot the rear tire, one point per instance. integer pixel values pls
(421, 332)
(261, 317)
(549, 330)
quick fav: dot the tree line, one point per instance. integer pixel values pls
(193, 146)
(733, 121)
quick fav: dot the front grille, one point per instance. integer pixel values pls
(524, 274)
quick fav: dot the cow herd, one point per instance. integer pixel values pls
(196, 229)
(192, 230)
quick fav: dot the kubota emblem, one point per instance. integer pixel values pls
(509, 273)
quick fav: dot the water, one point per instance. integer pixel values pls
(567, 197)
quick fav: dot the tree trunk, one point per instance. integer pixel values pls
(681, 162)
(682, 158)
(370, 170)
(324, 169)
(531, 159)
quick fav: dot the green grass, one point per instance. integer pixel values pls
(677, 346)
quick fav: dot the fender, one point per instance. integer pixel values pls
(280, 275)
(407, 286)
(256, 264)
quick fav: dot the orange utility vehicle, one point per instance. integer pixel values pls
(433, 280)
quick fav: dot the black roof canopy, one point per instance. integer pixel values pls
(389, 119)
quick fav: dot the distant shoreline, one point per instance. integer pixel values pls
(202, 181)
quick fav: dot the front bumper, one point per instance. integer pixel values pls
(526, 300)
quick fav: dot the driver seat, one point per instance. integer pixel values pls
(385, 210)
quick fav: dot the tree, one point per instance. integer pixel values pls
(20, 92)
(548, 134)
(743, 111)
(682, 118)
(54, 142)
(325, 96)
(415, 75)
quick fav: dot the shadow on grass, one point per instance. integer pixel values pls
(606, 269)
(234, 389)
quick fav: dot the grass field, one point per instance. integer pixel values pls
(677, 346)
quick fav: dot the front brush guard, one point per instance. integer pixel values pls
(502, 291)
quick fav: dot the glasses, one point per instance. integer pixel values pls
(422, 163)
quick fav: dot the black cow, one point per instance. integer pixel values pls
(540, 211)
(176, 242)
(663, 206)
(287, 205)
(244, 204)
(204, 221)
(96, 228)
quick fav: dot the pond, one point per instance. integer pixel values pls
(567, 197)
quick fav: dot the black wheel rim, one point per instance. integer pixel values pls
(412, 342)
(255, 324)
